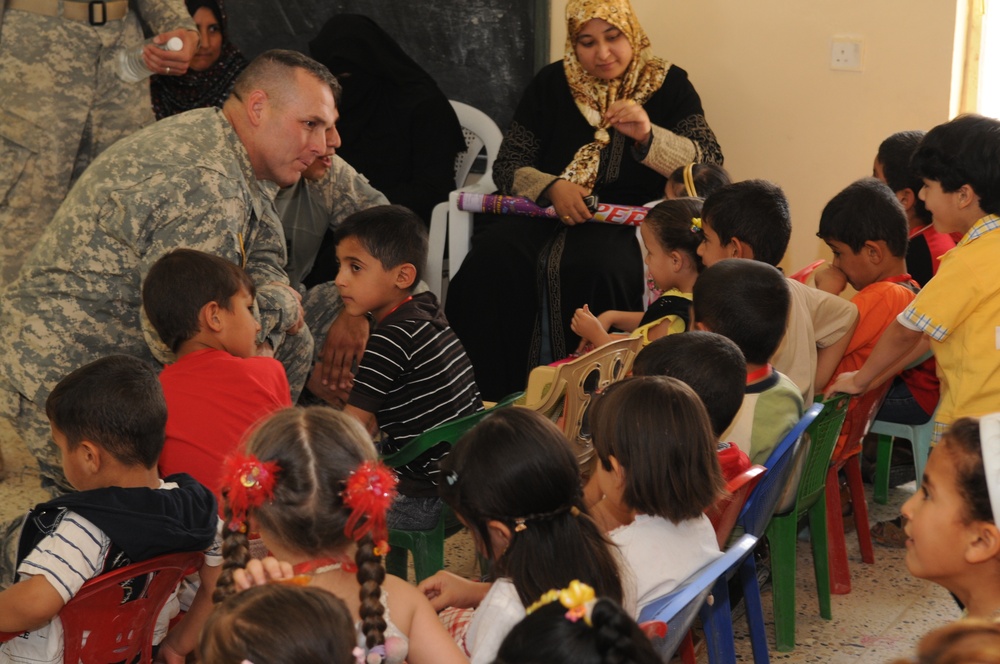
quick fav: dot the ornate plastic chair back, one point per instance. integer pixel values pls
(563, 393)
(726, 509)
(447, 221)
(427, 546)
(678, 609)
(103, 623)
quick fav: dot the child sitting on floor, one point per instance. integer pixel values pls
(714, 367)
(952, 535)
(750, 219)
(572, 626)
(515, 483)
(658, 472)
(865, 228)
(202, 308)
(747, 302)
(107, 419)
(671, 233)
(414, 374)
(311, 483)
(279, 624)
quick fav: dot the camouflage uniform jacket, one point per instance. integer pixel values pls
(185, 181)
(309, 207)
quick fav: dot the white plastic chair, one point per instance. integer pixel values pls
(447, 221)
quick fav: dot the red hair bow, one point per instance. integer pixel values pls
(369, 492)
(247, 482)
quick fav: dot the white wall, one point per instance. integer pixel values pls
(780, 113)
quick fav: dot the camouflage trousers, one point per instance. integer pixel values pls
(10, 533)
(61, 104)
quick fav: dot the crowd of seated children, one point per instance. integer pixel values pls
(695, 181)
(893, 166)
(573, 626)
(956, 312)
(516, 485)
(202, 308)
(414, 373)
(750, 219)
(311, 483)
(107, 419)
(671, 233)
(712, 366)
(865, 228)
(280, 624)
(658, 472)
(748, 302)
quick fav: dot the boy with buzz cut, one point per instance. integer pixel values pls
(748, 302)
(865, 227)
(956, 314)
(414, 373)
(750, 219)
(107, 420)
(202, 308)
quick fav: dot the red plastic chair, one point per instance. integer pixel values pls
(726, 510)
(860, 416)
(99, 628)
(803, 274)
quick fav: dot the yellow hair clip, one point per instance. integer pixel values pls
(696, 224)
(578, 598)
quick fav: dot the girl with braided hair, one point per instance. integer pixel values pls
(313, 489)
(515, 483)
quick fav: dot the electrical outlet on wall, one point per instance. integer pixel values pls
(845, 53)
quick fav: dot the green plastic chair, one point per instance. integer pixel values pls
(810, 501)
(427, 546)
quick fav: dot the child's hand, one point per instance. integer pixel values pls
(844, 383)
(445, 589)
(262, 572)
(589, 327)
(832, 280)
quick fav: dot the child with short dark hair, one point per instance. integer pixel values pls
(750, 219)
(956, 312)
(865, 227)
(658, 471)
(748, 302)
(671, 233)
(574, 627)
(714, 367)
(893, 167)
(695, 181)
(515, 483)
(414, 374)
(107, 420)
(279, 624)
(201, 305)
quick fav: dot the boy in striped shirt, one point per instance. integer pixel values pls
(414, 374)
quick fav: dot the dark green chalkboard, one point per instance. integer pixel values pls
(481, 52)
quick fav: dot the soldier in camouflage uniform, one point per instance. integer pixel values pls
(62, 102)
(203, 179)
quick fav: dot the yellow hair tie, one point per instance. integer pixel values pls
(578, 598)
(696, 224)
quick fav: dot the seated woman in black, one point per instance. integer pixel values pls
(609, 119)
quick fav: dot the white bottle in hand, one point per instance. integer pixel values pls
(132, 68)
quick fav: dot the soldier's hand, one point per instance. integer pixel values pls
(345, 343)
(171, 63)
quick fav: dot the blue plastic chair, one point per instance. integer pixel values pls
(677, 609)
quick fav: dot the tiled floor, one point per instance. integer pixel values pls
(881, 619)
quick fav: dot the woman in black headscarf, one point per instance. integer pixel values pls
(396, 125)
(212, 71)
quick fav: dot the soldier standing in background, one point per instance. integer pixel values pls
(204, 179)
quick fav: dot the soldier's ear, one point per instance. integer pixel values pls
(256, 106)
